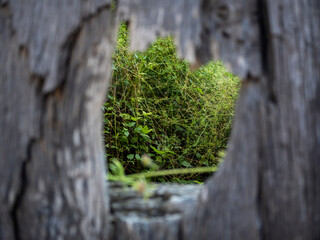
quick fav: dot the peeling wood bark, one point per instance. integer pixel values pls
(54, 69)
(268, 187)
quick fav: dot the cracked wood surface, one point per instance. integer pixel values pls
(54, 69)
(53, 78)
(157, 217)
(268, 186)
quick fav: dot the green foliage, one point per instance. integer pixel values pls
(158, 107)
(139, 181)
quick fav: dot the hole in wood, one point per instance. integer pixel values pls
(163, 123)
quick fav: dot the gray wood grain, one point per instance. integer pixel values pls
(150, 19)
(268, 187)
(54, 70)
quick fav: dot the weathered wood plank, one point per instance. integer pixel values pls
(54, 70)
(157, 217)
(268, 186)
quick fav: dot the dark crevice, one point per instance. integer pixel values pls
(264, 32)
(66, 54)
(225, 34)
(249, 80)
(203, 53)
(180, 234)
(6, 25)
(97, 12)
(259, 201)
(21, 191)
(266, 50)
(24, 51)
(267, 79)
(68, 46)
(223, 11)
(128, 25)
(268, 83)
(39, 81)
(3, 3)
(260, 205)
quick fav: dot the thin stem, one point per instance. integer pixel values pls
(173, 172)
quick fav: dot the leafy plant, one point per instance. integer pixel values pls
(158, 107)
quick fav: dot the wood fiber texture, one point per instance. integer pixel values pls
(268, 186)
(54, 69)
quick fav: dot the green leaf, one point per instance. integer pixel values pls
(125, 132)
(145, 136)
(130, 156)
(131, 124)
(125, 116)
(146, 114)
(198, 182)
(135, 119)
(158, 151)
(138, 129)
(186, 164)
(113, 159)
(199, 90)
(145, 129)
(124, 139)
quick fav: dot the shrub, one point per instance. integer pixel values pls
(158, 107)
